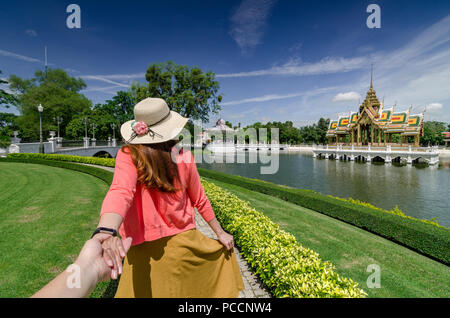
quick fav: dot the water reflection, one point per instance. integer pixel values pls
(419, 190)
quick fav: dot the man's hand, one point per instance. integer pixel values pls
(93, 257)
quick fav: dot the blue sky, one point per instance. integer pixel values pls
(275, 60)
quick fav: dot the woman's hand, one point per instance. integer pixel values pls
(226, 239)
(113, 253)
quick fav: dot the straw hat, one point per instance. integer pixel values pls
(153, 122)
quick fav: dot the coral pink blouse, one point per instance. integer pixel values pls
(149, 214)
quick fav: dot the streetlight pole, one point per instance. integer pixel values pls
(93, 130)
(85, 120)
(41, 145)
(113, 126)
(59, 121)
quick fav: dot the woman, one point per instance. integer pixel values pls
(152, 199)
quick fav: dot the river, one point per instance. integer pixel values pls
(418, 190)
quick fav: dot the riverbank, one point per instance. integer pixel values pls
(340, 243)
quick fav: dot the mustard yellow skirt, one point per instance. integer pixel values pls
(186, 265)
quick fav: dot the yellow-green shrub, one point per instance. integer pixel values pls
(286, 267)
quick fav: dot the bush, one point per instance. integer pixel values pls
(428, 239)
(96, 172)
(287, 268)
(108, 162)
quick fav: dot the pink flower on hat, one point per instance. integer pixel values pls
(140, 128)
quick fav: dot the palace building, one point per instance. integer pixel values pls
(374, 125)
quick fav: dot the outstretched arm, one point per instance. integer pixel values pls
(80, 278)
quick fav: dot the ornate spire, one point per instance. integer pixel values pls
(371, 75)
(371, 97)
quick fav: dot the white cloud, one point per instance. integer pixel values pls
(105, 89)
(31, 33)
(271, 97)
(119, 76)
(434, 107)
(19, 57)
(103, 79)
(248, 22)
(346, 97)
(328, 65)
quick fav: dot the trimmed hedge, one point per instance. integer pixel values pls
(286, 267)
(107, 162)
(424, 238)
(102, 174)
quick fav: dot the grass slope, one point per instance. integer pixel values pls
(404, 273)
(47, 214)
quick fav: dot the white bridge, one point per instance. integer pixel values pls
(369, 153)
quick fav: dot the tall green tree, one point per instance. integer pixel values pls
(120, 107)
(315, 133)
(8, 123)
(6, 98)
(187, 90)
(58, 93)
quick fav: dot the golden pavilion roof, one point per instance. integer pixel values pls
(374, 112)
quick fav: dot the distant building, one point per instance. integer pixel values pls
(219, 130)
(374, 124)
(446, 138)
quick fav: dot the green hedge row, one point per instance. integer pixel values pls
(424, 238)
(286, 267)
(102, 174)
(108, 162)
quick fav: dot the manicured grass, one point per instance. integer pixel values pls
(47, 214)
(404, 273)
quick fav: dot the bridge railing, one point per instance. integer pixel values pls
(392, 148)
(69, 144)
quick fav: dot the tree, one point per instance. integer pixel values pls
(6, 99)
(322, 128)
(432, 133)
(187, 90)
(287, 132)
(315, 133)
(7, 125)
(229, 124)
(120, 107)
(102, 120)
(56, 91)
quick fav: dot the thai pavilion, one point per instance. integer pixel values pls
(374, 125)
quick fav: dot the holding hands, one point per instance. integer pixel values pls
(114, 250)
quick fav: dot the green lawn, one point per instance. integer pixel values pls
(404, 273)
(47, 214)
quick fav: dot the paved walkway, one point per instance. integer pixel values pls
(253, 288)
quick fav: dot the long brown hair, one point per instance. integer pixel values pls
(155, 166)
